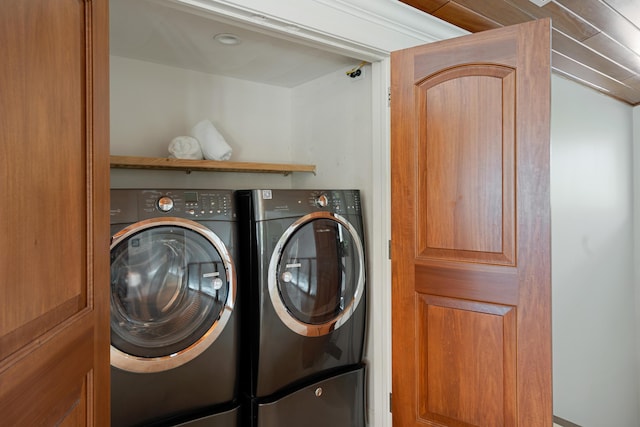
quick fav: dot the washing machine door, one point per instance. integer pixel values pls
(317, 274)
(173, 289)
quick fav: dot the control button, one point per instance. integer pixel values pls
(165, 203)
(217, 283)
(287, 276)
(318, 392)
(322, 201)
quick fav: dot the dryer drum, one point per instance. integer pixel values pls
(172, 291)
(315, 291)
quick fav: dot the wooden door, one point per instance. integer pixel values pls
(54, 245)
(471, 230)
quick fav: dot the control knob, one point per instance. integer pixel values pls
(322, 201)
(165, 203)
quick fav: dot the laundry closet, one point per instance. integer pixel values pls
(298, 92)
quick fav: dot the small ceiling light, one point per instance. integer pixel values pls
(540, 3)
(227, 38)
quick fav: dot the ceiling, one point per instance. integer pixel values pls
(594, 42)
(163, 32)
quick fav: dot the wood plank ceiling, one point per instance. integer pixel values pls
(594, 42)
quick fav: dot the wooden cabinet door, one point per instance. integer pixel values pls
(470, 122)
(54, 244)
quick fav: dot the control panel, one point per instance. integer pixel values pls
(190, 204)
(283, 203)
(337, 201)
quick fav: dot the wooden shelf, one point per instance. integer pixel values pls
(127, 162)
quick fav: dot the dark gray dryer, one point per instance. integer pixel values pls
(174, 326)
(304, 289)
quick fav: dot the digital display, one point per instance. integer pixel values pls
(191, 197)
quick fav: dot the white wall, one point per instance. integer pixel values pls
(152, 103)
(332, 129)
(636, 222)
(595, 356)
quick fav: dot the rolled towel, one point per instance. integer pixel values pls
(213, 145)
(185, 147)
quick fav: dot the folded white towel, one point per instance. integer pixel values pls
(185, 147)
(213, 145)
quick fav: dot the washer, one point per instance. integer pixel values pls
(174, 326)
(303, 280)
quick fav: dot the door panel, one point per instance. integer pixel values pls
(54, 330)
(469, 211)
(32, 145)
(460, 336)
(471, 232)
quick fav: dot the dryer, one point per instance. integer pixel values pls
(303, 282)
(174, 320)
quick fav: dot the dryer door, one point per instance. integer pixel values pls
(316, 274)
(173, 289)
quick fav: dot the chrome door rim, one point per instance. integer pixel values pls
(132, 363)
(306, 329)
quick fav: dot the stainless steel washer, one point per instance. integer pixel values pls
(174, 329)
